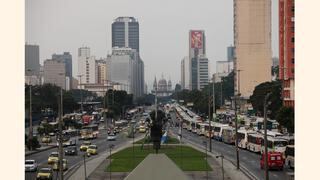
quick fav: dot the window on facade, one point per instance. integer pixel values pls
(292, 60)
(292, 50)
(292, 29)
(292, 70)
(292, 9)
(292, 39)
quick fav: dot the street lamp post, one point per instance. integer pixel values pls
(209, 116)
(237, 96)
(30, 114)
(85, 167)
(221, 156)
(61, 138)
(265, 106)
(207, 173)
(81, 93)
(110, 147)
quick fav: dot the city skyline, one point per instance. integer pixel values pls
(61, 33)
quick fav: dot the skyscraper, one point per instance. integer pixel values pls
(203, 72)
(66, 57)
(230, 53)
(252, 40)
(185, 73)
(125, 33)
(32, 65)
(86, 66)
(197, 48)
(55, 72)
(286, 50)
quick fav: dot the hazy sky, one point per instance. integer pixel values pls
(58, 26)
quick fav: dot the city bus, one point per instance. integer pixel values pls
(217, 130)
(254, 142)
(201, 128)
(243, 137)
(274, 144)
(89, 132)
(228, 135)
(289, 154)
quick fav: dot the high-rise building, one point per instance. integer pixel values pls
(32, 65)
(230, 53)
(223, 69)
(127, 69)
(86, 66)
(252, 40)
(185, 73)
(55, 72)
(67, 58)
(203, 72)
(125, 33)
(101, 71)
(197, 47)
(286, 50)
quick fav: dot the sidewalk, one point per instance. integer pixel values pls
(42, 148)
(93, 164)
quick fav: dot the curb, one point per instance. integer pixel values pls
(38, 151)
(243, 169)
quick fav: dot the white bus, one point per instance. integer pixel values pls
(228, 135)
(254, 142)
(201, 128)
(217, 130)
(243, 137)
(274, 144)
(289, 153)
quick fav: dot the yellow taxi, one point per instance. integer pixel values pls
(92, 150)
(54, 156)
(45, 173)
(84, 146)
(56, 165)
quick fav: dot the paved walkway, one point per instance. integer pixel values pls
(157, 167)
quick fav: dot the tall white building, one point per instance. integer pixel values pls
(86, 66)
(252, 41)
(55, 72)
(127, 69)
(203, 72)
(185, 73)
(101, 71)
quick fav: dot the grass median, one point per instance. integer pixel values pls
(185, 157)
(147, 140)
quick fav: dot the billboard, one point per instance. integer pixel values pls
(196, 39)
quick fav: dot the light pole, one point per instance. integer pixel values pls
(265, 107)
(207, 173)
(85, 167)
(60, 133)
(110, 147)
(221, 156)
(209, 116)
(236, 119)
(30, 114)
(81, 93)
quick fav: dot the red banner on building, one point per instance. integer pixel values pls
(196, 39)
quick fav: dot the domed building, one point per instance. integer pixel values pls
(162, 88)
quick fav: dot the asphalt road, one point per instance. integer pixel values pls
(101, 142)
(247, 159)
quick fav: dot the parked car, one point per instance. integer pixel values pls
(275, 160)
(71, 150)
(30, 165)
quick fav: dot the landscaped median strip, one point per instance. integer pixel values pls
(185, 157)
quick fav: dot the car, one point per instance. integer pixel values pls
(84, 146)
(46, 139)
(92, 150)
(45, 173)
(111, 137)
(275, 160)
(30, 165)
(55, 165)
(101, 119)
(52, 134)
(71, 150)
(53, 157)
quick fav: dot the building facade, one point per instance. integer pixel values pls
(185, 73)
(230, 53)
(101, 65)
(197, 48)
(286, 50)
(252, 40)
(67, 58)
(127, 69)
(55, 72)
(86, 66)
(162, 88)
(125, 33)
(32, 64)
(203, 71)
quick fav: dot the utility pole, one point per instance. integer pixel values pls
(221, 100)
(30, 119)
(209, 116)
(85, 167)
(265, 137)
(207, 173)
(81, 93)
(236, 119)
(104, 107)
(61, 138)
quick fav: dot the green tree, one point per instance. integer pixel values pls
(34, 143)
(177, 88)
(285, 117)
(259, 93)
